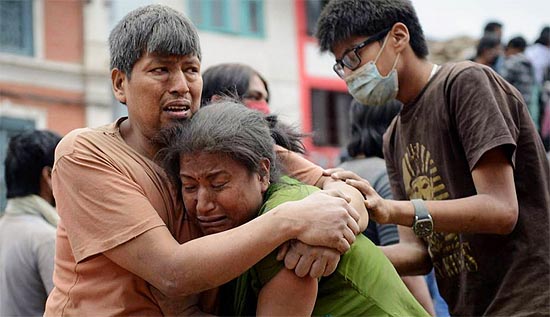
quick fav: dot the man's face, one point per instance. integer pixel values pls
(162, 90)
(366, 54)
(220, 193)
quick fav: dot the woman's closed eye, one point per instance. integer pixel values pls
(189, 188)
(219, 185)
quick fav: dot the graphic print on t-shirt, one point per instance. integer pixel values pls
(449, 254)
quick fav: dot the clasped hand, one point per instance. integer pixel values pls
(378, 208)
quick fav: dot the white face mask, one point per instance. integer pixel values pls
(369, 87)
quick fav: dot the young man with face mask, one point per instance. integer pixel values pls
(467, 168)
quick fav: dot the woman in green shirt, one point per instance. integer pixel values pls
(223, 160)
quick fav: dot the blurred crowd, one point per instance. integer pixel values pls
(525, 65)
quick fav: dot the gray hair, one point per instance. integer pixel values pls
(151, 29)
(225, 127)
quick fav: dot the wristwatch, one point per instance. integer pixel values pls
(423, 225)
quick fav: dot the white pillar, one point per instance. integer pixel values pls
(97, 85)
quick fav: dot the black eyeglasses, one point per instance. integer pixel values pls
(350, 58)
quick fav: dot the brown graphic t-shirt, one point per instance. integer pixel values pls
(432, 147)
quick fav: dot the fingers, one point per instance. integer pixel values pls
(344, 175)
(349, 235)
(354, 214)
(283, 249)
(292, 258)
(330, 171)
(304, 265)
(336, 193)
(318, 268)
(343, 245)
(331, 263)
(362, 185)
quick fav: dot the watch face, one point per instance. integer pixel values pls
(423, 227)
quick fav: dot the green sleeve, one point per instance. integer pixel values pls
(286, 190)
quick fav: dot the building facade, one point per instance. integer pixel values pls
(54, 64)
(49, 75)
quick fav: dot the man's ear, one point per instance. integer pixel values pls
(400, 37)
(118, 79)
(264, 174)
(46, 191)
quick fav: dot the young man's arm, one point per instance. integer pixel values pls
(494, 209)
(210, 261)
(287, 295)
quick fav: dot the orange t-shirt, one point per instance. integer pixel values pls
(298, 167)
(107, 194)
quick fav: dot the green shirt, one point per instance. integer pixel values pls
(364, 284)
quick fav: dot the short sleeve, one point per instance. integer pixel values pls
(100, 207)
(480, 108)
(269, 266)
(388, 149)
(298, 167)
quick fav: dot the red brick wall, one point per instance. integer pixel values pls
(63, 32)
(65, 110)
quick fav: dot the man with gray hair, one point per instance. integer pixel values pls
(123, 231)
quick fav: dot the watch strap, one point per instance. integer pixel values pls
(420, 210)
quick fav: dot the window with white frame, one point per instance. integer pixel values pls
(9, 127)
(241, 17)
(16, 27)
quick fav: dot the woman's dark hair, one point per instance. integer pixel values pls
(27, 154)
(368, 124)
(285, 135)
(224, 127)
(229, 79)
(544, 37)
(342, 19)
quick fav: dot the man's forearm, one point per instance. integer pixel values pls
(410, 256)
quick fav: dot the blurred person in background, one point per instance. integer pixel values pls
(539, 55)
(246, 84)
(27, 229)
(368, 125)
(494, 29)
(237, 80)
(519, 72)
(488, 50)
